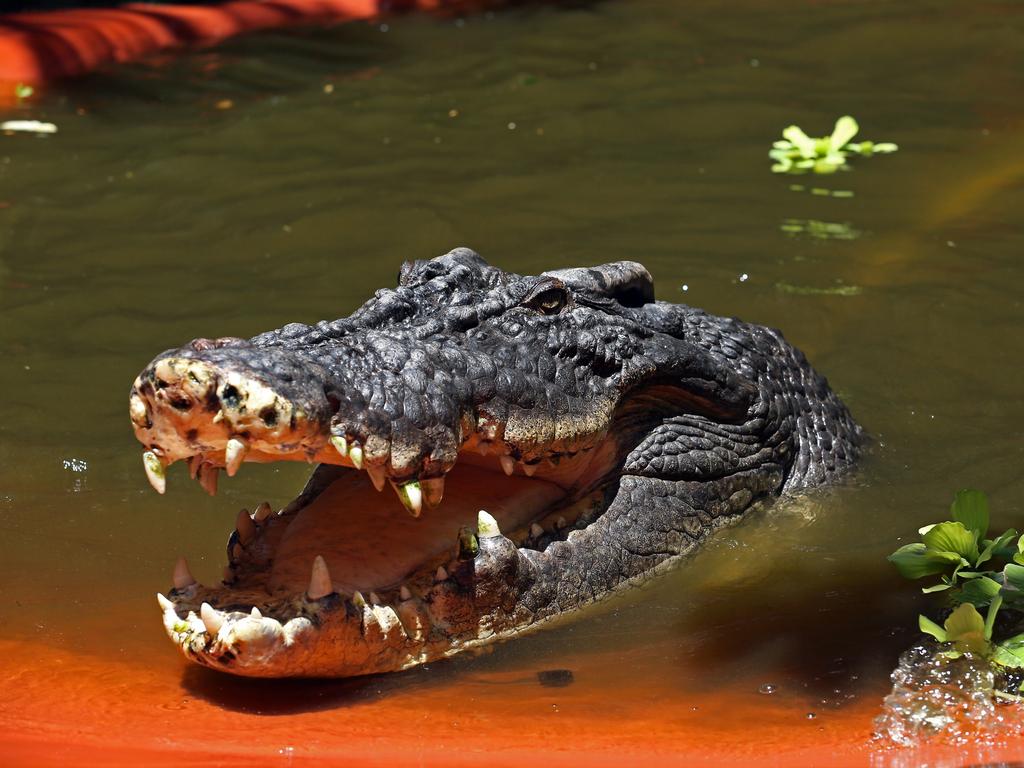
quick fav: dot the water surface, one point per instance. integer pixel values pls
(284, 177)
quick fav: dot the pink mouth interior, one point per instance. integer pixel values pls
(370, 541)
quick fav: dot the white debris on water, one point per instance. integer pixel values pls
(953, 701)
(28, 126)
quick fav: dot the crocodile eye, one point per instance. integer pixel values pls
(549, 301)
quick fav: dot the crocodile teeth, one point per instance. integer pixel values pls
(165, 604)
(483, 447)
(213, 619)
(245, 526)
(536, 531)
(234, 455)
(404, 593)
(256, 613)
(355, 455)
(374, 600)
(154, 471)
(508, 464)
(441, 574)
(219, 417)
(182, 576)
(486, 525)
(208, 478)
(377, 477)
(195, 463)
(411, 495)
(433, 490)
(529, 469)
(263, 511)
(340, 445)
(320, 580)
(358, 600)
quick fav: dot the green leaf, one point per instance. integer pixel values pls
(990, 617)
(1013, 577)
(846, 128)
(800, 140)
(929, 627)
(885, 147)
(994, 546)
(970, 507)
(915, 560)
(936, 588)
(953, 537)
(1008, 657)
(966, 629)
(980, 592)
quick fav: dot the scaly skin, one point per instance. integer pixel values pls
(631, 428)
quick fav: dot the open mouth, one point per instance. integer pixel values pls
(349, 577)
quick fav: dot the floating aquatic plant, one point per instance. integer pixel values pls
(974, 572)
(797, 152)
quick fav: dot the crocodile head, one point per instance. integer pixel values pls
(539, 441)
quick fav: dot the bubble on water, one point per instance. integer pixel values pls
(766, 688)
(953, 700)
(78, 469)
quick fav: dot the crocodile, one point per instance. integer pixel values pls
(550, 441)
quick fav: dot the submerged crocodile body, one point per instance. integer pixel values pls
(604, 434)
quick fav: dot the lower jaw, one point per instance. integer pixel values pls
(403, 590)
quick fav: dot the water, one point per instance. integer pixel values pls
(284, 177)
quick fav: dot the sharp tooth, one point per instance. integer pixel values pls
(411, 496)
(234, 455)
(219, 417)
(182, 577)
(237, 552)
(486, 526)
(483, 447)
(256, 613)
(355, 455)
(154, 471)
(340, 445)
(529, 469)
(245, 526)
(165, 604)
(508, 464)
(536, 531)
(213, 619)
(441, 574)
(404, 593)
(560, 522)
(320, 581)
(358, 600)
(208, 478)
(263, 511)
(377, 477)
(374, 600)
(195, 463)
(433, 490)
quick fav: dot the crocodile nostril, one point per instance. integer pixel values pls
(181, 403)
(269, 415)
(229, 396)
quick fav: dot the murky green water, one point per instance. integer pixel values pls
(542, 138)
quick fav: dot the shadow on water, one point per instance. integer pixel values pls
(288, 697)
(827, 636)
